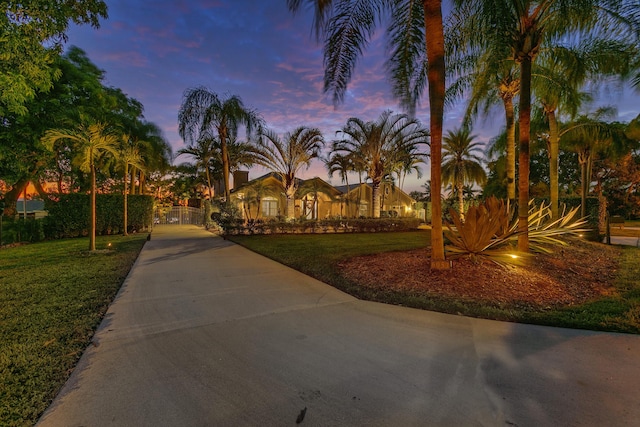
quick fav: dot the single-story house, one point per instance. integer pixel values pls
(263, 198)
(33, 209)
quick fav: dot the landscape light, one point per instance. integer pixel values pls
(514, 256)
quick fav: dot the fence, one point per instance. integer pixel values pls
(178, 215)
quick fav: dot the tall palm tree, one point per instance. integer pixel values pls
(287, 156)
(380, 146)
(461, 165)
(561, 72)
(204, 114)
(522, 27)
(202, 151)
(91, 143)
(417, 55)
(128, 155)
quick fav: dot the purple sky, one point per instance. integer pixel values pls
(153, 51)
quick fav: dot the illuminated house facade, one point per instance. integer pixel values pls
(263, 198)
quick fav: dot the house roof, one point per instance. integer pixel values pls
(336, 190)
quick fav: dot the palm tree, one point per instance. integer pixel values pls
(203, 151)
(287, 156)
(591, 137)
(128, 155)
(522, 27)
(155, 152)
(92, 141)
(380, 146)
(204, 114)
(416, 44)
(461, 166)
(343, 164)
(561, 73)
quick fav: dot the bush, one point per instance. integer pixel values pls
(15, 230)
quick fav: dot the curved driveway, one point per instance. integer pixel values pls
(207, 333)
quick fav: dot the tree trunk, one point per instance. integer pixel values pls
(225, 164)
(554, 154)
(511, 147)
(124, 194)
(11, 196)
(375, 199)
(92, 208)
(291, 202)
(602, 208)
(460, 187)
(434, 33)
(523, 154)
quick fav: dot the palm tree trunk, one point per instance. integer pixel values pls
(554, 154)
(209, 181)
(434, 33)
(124, 194)
(582, 160)
(290, 193)
(92, 208)
(225, 164)
(460, 200)
(523, 154)
(511, 147)
(375, 198)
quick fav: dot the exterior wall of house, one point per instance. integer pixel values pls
(320, 204)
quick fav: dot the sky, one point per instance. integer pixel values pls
(258, 50)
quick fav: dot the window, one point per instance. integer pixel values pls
(269, 206)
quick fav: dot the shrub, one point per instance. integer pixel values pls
(490, 231)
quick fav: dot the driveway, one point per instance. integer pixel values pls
(207, 333)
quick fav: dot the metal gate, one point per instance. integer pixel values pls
(178, 215)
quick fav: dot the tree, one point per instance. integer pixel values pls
(522, 27)
(128, 154)
(31, 37)
(417, 56)
(204, 114)
(92, 141)
(154, 149)
(287, 156)
(381, 146)
(203, 152)
(593, 138)
(343, 164)
(561, 73)
(461, 166)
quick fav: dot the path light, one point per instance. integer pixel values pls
(109, 245)
(514, 256)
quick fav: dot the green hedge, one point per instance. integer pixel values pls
(16, 230)
(362, 225)
(69, 214)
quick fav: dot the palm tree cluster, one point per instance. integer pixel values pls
(498, 50)
(392, 144)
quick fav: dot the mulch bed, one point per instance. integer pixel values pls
(572, 275)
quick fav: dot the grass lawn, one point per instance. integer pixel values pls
(52, 298)
(318, 256)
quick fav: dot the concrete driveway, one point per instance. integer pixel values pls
(207, 333)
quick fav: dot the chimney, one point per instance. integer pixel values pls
(240, 178)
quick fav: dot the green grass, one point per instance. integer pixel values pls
(318, 256)
(52, 298)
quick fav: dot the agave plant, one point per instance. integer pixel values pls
(485, 233)
(490, 231)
